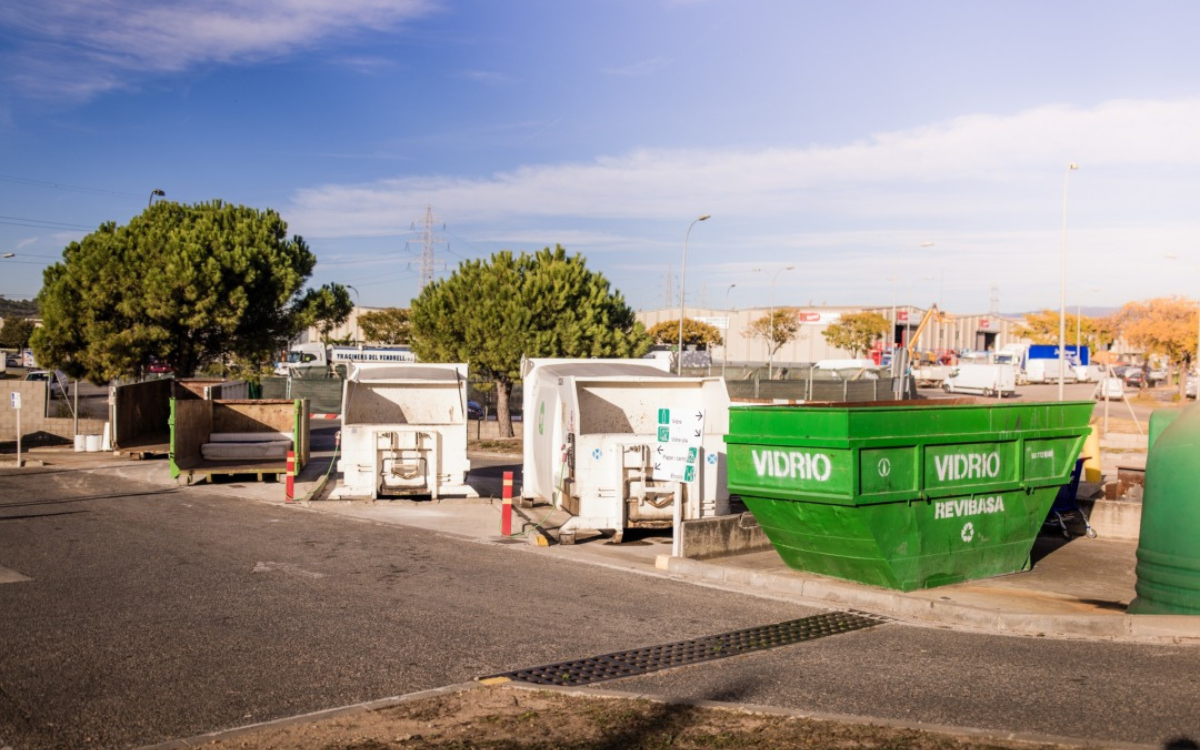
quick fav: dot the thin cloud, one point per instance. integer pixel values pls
(79, 48)
(987, 189)
(485, 76)
(640, 68)
(925, 171)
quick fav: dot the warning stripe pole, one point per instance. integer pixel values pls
(506, 508)
(291, 476)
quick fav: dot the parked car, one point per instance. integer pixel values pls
(1190, 388)
(474, 410)
(1109, 389)
(1134, 377)
(159, 367)
(57, 380)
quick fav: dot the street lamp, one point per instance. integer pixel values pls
(153, 193)
(895, 279)
(771, 341)
(725, 348)
(682, 272)
(1062, 289)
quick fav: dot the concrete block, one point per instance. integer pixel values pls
(720, 536)
(1115, 519)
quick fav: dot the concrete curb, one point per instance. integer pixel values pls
(329, 713)
(1173, 629)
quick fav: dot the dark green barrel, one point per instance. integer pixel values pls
(906, 494)
(1168, 567)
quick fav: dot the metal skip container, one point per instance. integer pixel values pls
(622, 443)
(906, 494)
(404, 431)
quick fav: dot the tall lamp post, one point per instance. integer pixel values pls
(154, 193)
(771, 341)
(1062, 289)
(682, 273)
(895, 279)
(725, 342)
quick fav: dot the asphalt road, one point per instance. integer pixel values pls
(153, 615)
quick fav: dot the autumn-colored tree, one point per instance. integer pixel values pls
(856, 332)
(1165, 326)
(386, 326)
(695, 333)
(1095, 333)
(777, 328)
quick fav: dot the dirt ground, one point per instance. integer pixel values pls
(504, 717)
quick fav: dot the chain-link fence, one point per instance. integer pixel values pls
(324, 394)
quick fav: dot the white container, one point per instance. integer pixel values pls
(591, 439)
(404, 431)
(80, 443)
(93, 443)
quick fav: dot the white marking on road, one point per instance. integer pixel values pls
(8, 575)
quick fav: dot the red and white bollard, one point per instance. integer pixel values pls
(506, 508)
(291, 476)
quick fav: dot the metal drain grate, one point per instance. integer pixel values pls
(653, 658)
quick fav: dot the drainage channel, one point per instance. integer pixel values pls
(654, 658)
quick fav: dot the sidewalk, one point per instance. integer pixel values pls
(1077, 588)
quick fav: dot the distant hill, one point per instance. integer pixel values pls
(18, 308)
(1085, 311)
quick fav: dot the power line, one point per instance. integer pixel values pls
(69, 188)
(18, 221)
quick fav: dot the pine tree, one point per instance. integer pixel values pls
(491, 313)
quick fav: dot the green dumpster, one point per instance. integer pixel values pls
(904, 494)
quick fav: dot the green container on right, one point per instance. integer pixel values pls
(904, 494)
(1168, 558)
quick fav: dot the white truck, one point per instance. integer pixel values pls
(983, 380)
(1046, 371)
(315, 359)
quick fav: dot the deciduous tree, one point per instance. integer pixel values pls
(776, 328)
(491, 313)
(325, 308)
(389, 325)
(1165, 326)
(1095, 333)
(185, 284)
(856, 332)
(16, 332)
(695, 333)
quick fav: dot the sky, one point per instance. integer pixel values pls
(858, 152)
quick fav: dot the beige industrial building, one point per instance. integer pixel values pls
(976, 332)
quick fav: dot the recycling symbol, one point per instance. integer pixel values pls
(968, 532)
